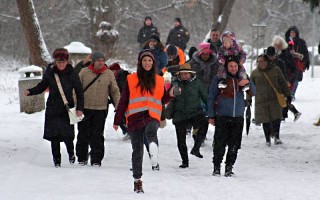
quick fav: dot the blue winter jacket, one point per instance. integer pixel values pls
(229, 101)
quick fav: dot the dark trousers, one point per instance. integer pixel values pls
(55, 148)
(199, 121)
(290, 107)
(137, 139)
(228, 131)
(272, 129)
(91, 133)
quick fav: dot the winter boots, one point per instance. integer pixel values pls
(72, 159)
(57, 162)
(196, 153)
(184, 165)
(216, 170)
(228, 171)
(138, 186)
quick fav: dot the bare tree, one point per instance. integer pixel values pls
(221, 13)
(38, 53)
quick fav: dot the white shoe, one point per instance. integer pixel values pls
(153, 149)
(126, 137)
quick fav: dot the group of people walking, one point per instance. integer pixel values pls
(212, 87)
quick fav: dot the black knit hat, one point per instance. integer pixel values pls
(271, 51)
(155, 37)
(172, 50)
(148, 17)
(178, 19)
(232, 59)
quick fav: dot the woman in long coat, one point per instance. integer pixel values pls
(57, 127)
(267, 109)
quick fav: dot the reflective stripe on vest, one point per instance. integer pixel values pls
(145, 102)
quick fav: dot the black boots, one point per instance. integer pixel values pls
(184, 165)
(228, 171)
(216, 170)
(196, 153)
(138, 186)
(72, 159)
(57, 162)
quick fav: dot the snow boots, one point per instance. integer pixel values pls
(216, 170)
(138, 186)
(317, 123)
(228, 171)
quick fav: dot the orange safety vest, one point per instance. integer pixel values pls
(139, 102)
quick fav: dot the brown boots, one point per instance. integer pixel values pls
(317, 123)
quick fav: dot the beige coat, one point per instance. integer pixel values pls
(96, 96)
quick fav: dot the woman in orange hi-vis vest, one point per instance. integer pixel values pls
(141, 102)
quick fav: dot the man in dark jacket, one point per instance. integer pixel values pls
(214, 40)
(146, 31)
(226, 109)
(179, 35)
(187, 110)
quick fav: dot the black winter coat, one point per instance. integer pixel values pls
(57, 123)
(178, 36)
(145, 33)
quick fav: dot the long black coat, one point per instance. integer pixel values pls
(57, 123)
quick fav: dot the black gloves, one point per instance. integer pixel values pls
(289, 99)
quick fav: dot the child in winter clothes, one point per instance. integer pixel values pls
(230, 48)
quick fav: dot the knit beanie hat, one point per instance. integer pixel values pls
(97, 55)
(178, 19)
(271, 51)
(148, 17)
(191, 52)
(232, 59)
(155, 37)
(144, 53)
(205, 48)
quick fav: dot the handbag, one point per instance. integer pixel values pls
(281, 99)
(71, 111)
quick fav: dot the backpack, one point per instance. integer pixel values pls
(122, 79)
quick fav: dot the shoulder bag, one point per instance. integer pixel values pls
(71, 111)
(281, 99)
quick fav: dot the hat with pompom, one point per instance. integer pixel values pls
(204, 48)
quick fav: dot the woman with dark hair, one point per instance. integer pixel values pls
(141, 102)
(57, 127)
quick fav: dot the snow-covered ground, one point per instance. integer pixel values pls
(288, 171)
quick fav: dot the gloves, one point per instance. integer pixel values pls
(289, 100)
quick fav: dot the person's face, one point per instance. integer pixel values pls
(232, 68)
(262, 63)
(148, 22)
(176, 23)
(153, 43)
(61, 64)
(214, 36)
(292, 34)
(98, 64)
(147, 63)
(205, 56)
(185, 75)
(226, 43)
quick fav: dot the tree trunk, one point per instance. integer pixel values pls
(103, 38)
(38, 53)
(221, 12)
